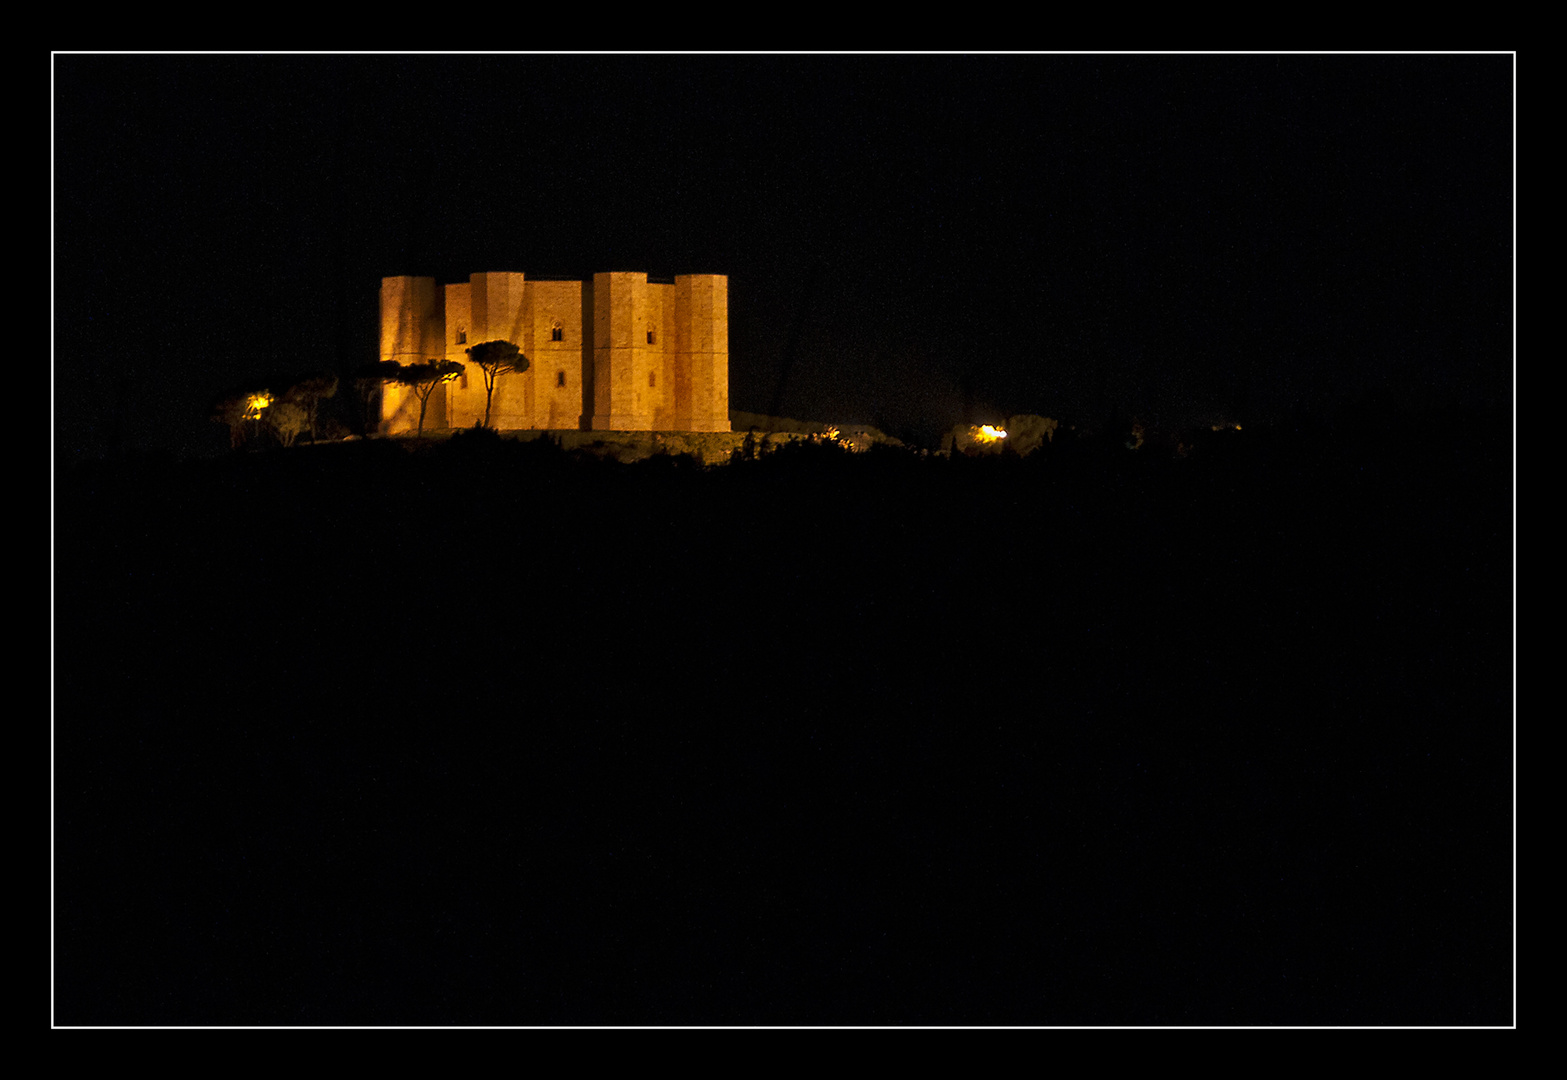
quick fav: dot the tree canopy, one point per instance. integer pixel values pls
(424, 378)
(494, 359)
(240, 407)
(368, 380)
(307, 393)
(286, 419)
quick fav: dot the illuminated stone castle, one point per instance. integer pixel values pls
(618, 353)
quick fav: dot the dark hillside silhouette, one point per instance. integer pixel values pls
(485, 732)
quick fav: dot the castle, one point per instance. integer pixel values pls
(617, 353)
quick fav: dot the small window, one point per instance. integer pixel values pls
(650, 337)
(560, 376)
(652, 378)
(555, 334)
(462, 335)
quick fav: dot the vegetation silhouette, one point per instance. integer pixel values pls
(1167, 726)
(232, 409)
(368, 381)
(494, 359)
(423, 378)
(307, 392)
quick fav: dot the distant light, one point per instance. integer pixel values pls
(257, 404)
(988, 433)
(834, 435)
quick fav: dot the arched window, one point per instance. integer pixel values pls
(560, 378)
(462, 335)
(555, 333)
(650, 337)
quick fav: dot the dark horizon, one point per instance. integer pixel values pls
(1180, 237)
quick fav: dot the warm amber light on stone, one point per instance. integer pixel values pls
(617, 353)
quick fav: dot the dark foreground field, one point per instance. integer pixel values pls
(487, 735)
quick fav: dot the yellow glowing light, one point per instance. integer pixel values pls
(257, 404)
(990, 434)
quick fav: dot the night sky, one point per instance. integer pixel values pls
(1177, 237)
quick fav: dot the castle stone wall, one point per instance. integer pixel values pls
(632, 355)
(555, 367)
(412, 331)
(458, 337)
(620, 364)
(702, 362)
(500, 313)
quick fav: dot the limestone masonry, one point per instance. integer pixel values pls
(618, 353)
